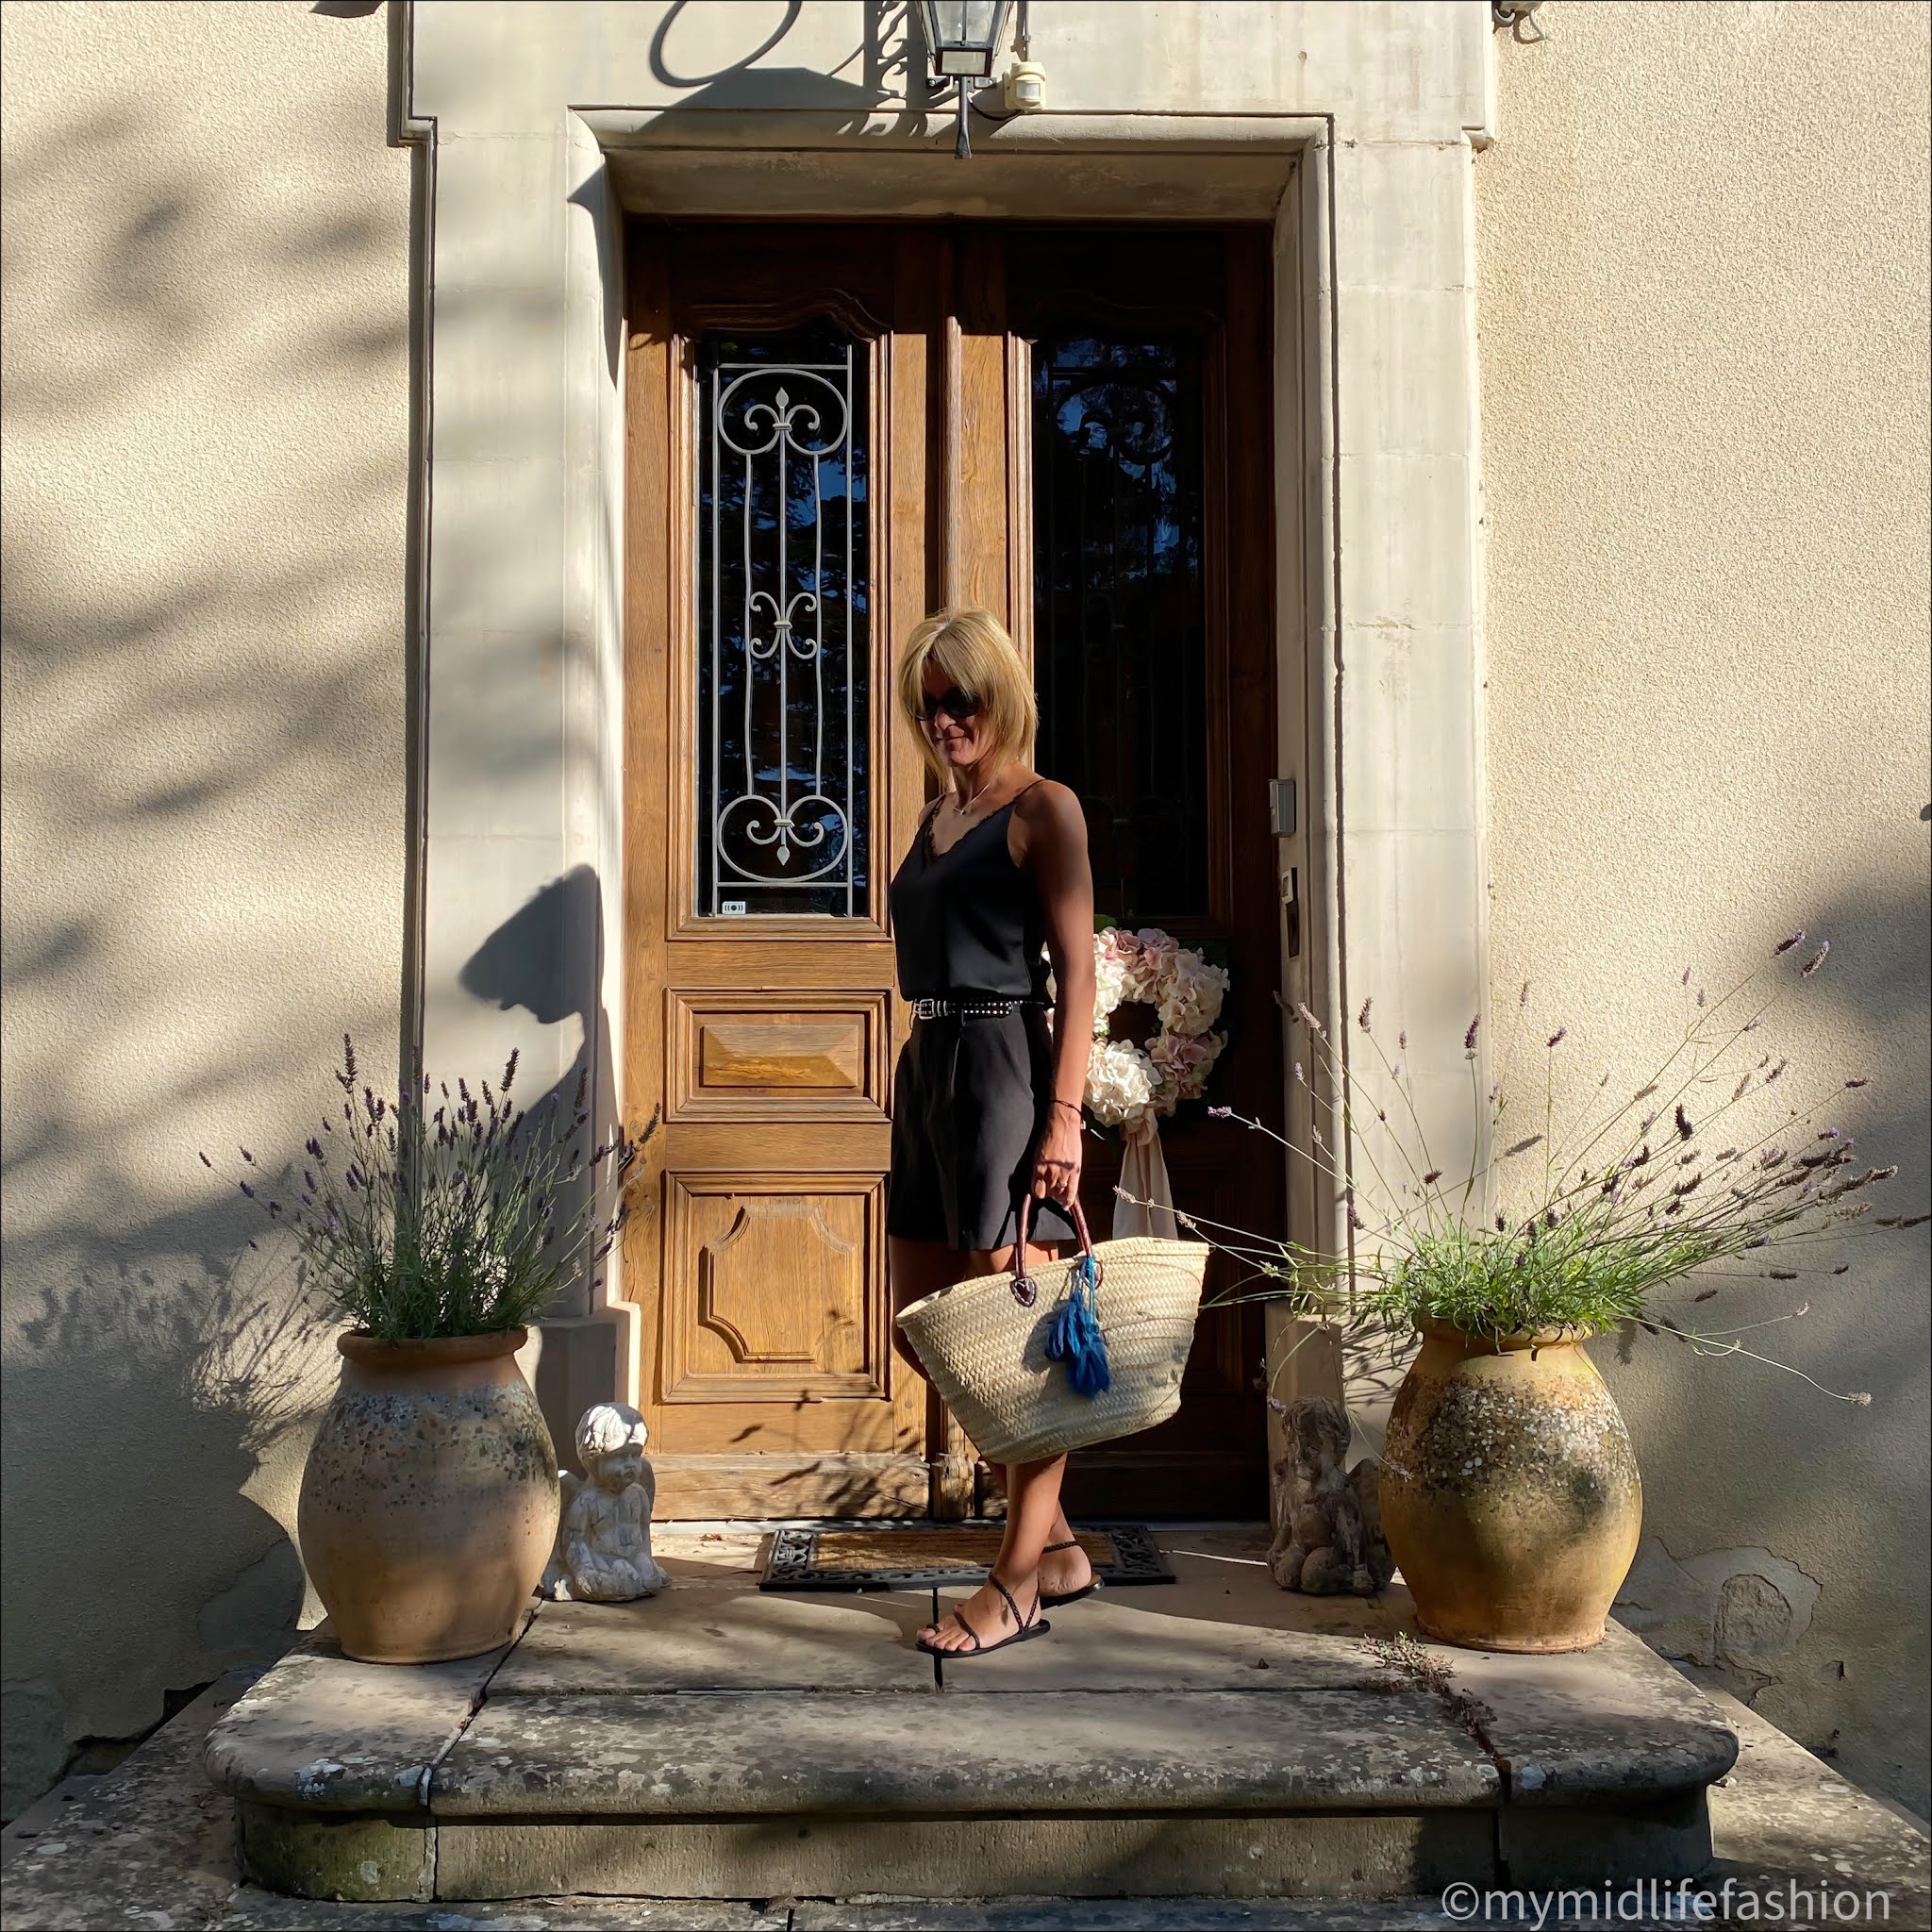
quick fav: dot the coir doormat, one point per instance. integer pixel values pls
(882, 1557)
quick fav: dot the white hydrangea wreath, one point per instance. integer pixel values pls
(1132, 1086)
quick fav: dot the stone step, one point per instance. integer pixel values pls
(154, 1845)
(1211, 1738)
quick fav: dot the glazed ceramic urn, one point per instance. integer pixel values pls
(430, 1500)
(1509, 1491)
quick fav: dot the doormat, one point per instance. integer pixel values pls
(881, 1558)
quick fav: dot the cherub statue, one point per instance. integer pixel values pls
(602, 1553)
(1330, 1538)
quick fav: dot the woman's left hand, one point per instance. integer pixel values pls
(1056, 1159)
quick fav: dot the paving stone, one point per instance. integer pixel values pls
(1214, 1629)
(727, 1755)
(320, 1732)
(1059, 1914)
(700, 1558)
(1615, 1717)
(42, 1818)
(155, 1849)
(732, 1635)
(1782, 1813)
(1327, 1855)
(1229, 1567)
(1595, 1722)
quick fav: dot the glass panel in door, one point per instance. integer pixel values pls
(1119, 634)
(783, 609)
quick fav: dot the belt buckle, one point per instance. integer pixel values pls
(925, 1007)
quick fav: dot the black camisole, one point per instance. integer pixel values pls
(968, 920)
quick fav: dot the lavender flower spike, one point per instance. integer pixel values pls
(1555, 1036)
(1469, 1037)
(1797, 939)
(1815, 962)
(1362, 1018)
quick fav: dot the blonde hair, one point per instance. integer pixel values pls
(972, 649)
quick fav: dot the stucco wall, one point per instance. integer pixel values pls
(1702, 257)
(1702, 290)
(206, 460)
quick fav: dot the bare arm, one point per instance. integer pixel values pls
(1049, 820)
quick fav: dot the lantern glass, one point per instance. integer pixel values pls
(963, 36)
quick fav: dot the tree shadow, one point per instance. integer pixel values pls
(206, 488)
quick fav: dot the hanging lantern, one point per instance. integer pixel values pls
(962, 37)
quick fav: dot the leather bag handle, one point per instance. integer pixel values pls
(1025, 1289)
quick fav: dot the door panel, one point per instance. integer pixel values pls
(771, 1297)
(833, 429)
(1146, 409)
(797, 1054)
(773, 552)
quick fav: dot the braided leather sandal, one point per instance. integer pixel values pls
(1038, 1626)
(1049, 1601)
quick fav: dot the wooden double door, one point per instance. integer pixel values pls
(833, 429)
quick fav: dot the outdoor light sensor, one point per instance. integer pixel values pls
(1025, 88)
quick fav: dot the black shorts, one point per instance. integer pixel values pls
(968, 1099)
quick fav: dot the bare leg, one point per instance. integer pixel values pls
(916, 1269)
(1033, 1510)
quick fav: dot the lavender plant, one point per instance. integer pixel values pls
(1577, 1226)
(461, 1219)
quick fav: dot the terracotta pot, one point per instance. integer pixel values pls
(1509, 1491)
(430, 1500)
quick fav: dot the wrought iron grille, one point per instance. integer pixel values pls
(1119, 632)
(783, 601)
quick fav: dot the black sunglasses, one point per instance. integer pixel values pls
(957, 705)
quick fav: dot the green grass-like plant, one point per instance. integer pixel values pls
(1573, 1226)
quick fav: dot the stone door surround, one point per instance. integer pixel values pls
(1349, 128)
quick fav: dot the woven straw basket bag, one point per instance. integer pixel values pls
(984, 1344)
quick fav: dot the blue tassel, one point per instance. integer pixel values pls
(1074, 1335)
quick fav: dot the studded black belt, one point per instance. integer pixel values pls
(985, 1007)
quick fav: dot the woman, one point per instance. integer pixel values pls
(986, 1103)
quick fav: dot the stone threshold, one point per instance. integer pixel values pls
(1214, 1738)
(152, 1844)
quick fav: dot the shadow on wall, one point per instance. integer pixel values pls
(548, 959)
(141, 1403)
(883, 57)
(195, 1378)
(206, 487)
(1784, 1530)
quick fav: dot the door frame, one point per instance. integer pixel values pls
(519, 396)
(953, 313)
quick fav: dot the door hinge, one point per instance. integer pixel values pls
(1281, 807)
